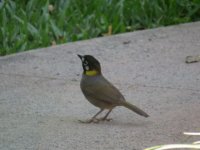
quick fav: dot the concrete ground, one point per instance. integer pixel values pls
(41, 101)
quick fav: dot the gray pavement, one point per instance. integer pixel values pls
(40, 98)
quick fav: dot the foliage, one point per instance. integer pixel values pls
(31, 24)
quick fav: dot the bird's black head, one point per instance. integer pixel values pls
(91, 65)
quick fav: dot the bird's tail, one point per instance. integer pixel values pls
(135, 109)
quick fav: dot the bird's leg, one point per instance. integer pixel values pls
(105, 117)
(93, 119)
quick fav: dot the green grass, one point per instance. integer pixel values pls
(29, 24)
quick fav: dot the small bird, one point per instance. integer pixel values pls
(100, 92)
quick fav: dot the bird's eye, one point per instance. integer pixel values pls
(85, 63)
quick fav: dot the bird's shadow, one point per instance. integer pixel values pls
(134, 123)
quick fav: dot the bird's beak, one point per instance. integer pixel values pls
(80, 56)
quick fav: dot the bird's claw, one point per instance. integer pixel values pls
(93, 120)
(105, 119)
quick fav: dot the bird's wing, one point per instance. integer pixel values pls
(103, 90)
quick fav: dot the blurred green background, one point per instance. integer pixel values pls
(29, 24)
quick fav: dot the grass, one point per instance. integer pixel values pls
(193, 146)
(32, 24)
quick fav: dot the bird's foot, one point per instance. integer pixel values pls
(105, 119)
(92, 120)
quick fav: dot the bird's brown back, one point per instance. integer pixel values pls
(98, 88)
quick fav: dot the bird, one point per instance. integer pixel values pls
(100, 92)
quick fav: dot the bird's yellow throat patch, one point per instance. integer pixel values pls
(91, 72)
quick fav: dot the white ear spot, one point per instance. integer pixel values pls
(82, 59)
(87, 67)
